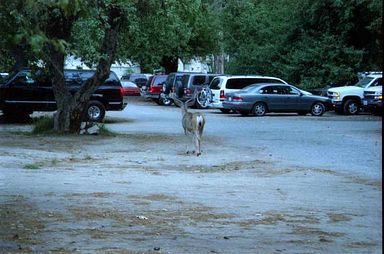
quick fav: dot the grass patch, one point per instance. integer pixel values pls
(43, 125)
(104, 131)
(32, 166)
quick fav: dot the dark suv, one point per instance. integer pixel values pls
(26, 92)
(184, 85)
(138, 78)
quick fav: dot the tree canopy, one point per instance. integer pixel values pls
(307, 42)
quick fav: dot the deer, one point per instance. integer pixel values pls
(193, 123)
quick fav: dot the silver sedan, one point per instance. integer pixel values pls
(259, 99)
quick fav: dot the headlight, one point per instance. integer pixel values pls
(337, 97)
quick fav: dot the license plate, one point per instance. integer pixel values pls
(230, 98)
(365, 103)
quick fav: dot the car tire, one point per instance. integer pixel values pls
(202, 100)
(166, 101)
(95, 111)
(225, 110)
(317, 109)
(351, 107)
(259, 109)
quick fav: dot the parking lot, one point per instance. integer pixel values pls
(282, 183)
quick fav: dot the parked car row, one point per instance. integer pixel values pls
(240, 93)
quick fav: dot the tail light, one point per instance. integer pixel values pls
(121, 92)
(222, 96)
(151, 89)
(237, 98)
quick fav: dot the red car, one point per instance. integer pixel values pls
(130, 88)
(154, 87)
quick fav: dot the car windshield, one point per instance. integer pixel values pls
(364, 82)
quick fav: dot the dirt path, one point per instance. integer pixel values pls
(137, 194)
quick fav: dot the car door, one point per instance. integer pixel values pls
(271, 95)
(23, 92)
(290, 99)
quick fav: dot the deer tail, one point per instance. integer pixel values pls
(200, 121)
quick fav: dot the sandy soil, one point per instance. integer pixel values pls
(138, 194)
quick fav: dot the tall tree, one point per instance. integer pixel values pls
(48, 27)
(166, 31)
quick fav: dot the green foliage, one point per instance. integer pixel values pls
(43, 125)
(306, 42)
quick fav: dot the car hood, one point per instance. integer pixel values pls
(374, 89)
(322, 98)
(345, 89)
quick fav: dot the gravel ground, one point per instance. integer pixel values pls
(138, 191)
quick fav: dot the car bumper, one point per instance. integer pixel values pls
(372, 104)
(336, 104)
(237, 106)
(217, 105)
(151, 96)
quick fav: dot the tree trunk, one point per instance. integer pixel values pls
(170, 63)
(70, 107)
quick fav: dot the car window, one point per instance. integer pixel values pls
(289, 90)
(159, 80)
(239, 83)
(210, 78)
(198, 80)
(184, 80)
(377, 82)
(22, 79)
(270, 90)
(170, 80)
(215, 84)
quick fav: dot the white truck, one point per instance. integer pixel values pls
(348, 99)
(373, 100)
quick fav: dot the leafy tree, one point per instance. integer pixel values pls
(165, 31)
(47, 26)
(307, 42)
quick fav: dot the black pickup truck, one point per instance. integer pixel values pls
(25, 93)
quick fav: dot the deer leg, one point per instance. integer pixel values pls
(197, 145)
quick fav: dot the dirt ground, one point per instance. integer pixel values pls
(142, 193)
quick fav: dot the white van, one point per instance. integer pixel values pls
(221, 85)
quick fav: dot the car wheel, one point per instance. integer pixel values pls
(225, 110)
(317, 109)
(202, 100)
(259, 109)
(95, 111)
(166, 101)
(351, 107)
